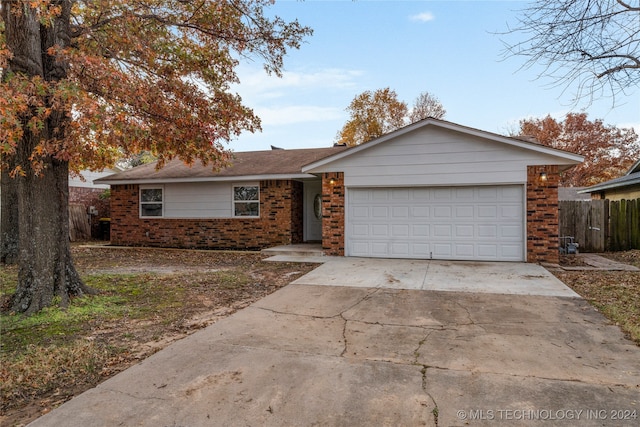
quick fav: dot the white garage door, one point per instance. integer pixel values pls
(454, 223)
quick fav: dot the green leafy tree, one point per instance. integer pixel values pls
(85, 81)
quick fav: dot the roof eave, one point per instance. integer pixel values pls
(605, 186)
(106, 180)
(568, 159)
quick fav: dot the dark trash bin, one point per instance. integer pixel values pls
(105, 228)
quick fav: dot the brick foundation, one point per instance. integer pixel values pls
(542, 214)
(280, 222)
(333, 213)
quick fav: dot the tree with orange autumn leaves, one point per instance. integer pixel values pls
(373, 114)
(86, 82)
(608, 150)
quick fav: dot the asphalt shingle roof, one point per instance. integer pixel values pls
(249, 163)
(632, 177)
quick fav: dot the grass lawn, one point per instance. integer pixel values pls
(148, 299)
(616, 294)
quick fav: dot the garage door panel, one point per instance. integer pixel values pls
(400, 250)
(488, 251)
(359, 248)
(442, 194)
(510, 251)
(380, 230)
(482, 223)
(420, 230)
(463, 194)
(510, 231)
(400, 230)
(487, 194)
(360, 230)
(441, 212)
(420, 250)
(464, 212)
(464, 231)
(442, 250)
(464, 251)
(420, 211)
(380, 249)
(490, 212)
(511, 211)
(487, 231)
(360, 212)
(511, 192)
(442, 230)
(380, 212)
(400, 212)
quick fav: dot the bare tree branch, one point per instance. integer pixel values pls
(589, 46)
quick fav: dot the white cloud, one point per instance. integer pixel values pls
(422, 17)
(256, 83)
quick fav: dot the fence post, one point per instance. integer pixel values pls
(634, 227)
(606, 226)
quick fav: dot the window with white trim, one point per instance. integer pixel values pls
(246, 200)
(151, 202)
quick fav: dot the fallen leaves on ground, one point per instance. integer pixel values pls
(149, 298)
(615, 293)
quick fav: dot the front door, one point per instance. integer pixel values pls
(312, 211)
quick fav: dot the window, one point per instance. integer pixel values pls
(246, 200)
(151, 202)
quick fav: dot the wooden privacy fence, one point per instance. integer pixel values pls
(601, 225)
(79, 227)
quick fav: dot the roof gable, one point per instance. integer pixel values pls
(551, 155)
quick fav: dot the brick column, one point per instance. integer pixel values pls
(542, 214)
(333, 213)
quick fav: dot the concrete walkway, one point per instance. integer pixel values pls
(318, 355)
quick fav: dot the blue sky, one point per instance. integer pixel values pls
(447, 48)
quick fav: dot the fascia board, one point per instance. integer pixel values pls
(609, 186)
(204, 179)
(565, 157)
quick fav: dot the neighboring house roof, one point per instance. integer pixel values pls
(564, 159)
(632, 177)
(87, 178)
(249, 165)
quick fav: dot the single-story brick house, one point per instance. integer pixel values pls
(431, 190)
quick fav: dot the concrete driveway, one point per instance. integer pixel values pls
(387, 354)
(511, 278)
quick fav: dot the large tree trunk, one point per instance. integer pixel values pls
(8, 219)
(45, 268)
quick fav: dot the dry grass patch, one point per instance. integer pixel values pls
(615, 293)
(148, 298)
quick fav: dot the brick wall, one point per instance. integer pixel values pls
(280, 222)
(91, 197)
(333, 213)
(542, 214)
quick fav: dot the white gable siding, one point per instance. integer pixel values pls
(89, 177)
(198, 200)
(436, 156)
